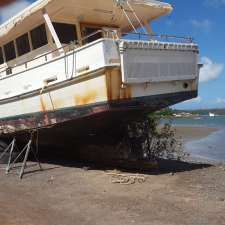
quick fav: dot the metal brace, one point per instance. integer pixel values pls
(11, 148)
(27, 149)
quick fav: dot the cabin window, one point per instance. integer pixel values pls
(1, 56)
(39, 36)
(91, 31)
(66, 32)
(10, 52)
(22, 44)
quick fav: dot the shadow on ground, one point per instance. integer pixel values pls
(161, 166)
(91, 160)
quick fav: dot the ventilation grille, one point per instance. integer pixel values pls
(140, 63)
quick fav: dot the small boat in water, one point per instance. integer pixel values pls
(74, 68)
(212, 114)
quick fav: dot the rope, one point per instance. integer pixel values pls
(129, 20)
(126, 179)
(121, 5)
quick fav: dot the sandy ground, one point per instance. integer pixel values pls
(66, 193)
(193, 133)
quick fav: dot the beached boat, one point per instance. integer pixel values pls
(82, 67)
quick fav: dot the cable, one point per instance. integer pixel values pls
(121, 5)
(144, 29)
(129, 20)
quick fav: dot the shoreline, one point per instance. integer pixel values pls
(190, 134)
(193, 133)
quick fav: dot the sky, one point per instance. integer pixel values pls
(204, 20)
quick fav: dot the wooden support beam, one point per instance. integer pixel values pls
(78, 30)
(51, 28)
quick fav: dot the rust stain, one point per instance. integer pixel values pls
(89, 97)
(58, 103)
(127, 92)
(43, 108)
(194, 85)
(46, 119)
(109, 85)
(115, 89)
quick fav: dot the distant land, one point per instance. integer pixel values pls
(190, 113)
(201, 111)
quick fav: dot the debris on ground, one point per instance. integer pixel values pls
(86, 168)
(51, 180)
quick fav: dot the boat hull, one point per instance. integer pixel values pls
(72, 125)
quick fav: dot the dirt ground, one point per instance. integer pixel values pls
(65, 194)
(69, 193)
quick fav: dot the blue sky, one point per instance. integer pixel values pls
(202, 19)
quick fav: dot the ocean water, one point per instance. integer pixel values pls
(211, 148)
(205, 121)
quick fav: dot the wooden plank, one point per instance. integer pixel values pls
(51, 28)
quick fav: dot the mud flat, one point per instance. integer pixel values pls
(189, 133)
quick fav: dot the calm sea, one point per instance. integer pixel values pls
(211, 148)
(205, 121)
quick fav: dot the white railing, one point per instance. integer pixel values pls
(39, 60)
(158, 37)
(46, 57)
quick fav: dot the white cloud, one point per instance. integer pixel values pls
(215, 3)
(13, 9)
(194, 100)
(202, 25)
(220, 101)
(210, 70)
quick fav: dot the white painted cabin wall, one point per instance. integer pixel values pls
(64, 97)
(32, 75)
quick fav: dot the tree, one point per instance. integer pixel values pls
(148, 139)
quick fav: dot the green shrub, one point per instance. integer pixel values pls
(148, 139)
